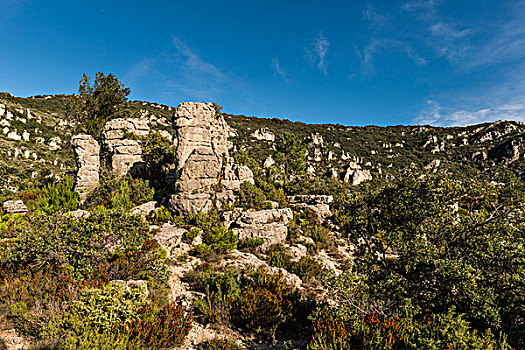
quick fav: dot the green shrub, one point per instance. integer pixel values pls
(216, 238)
(252, 242)
(115, 303)
(121, 193)
(373, 331)
(250, 197)
(59, 196)
(162, 215)
(76, 245)
(220, 288)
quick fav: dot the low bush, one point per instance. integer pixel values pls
(216, 238)
(264, 304)
(373, 331)
(59, 196)
(219, 344)
(251, 197)
(120, 193)
(156, 328)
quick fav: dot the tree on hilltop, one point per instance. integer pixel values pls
(96, 104)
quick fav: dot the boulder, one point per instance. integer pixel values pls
(124, 152)
(244, 259)
(268, 224)
(356, 175)
(86, 151)
(185, 203)
(145, 209)
(169, 237)
(80, 213)
(14, 206)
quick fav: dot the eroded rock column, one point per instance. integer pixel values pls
(86, 150)
(204, 172)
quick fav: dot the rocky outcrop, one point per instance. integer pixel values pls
(124, 150)
(145, 209)
(205, 174)
(243, 259)
(169, 237)
(263, 134)
(268, 224)
(509, 151)
(86, 150)
(356, 175)
(14, 207)
(319, 204)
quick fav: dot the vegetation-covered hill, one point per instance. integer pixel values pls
(337, 237)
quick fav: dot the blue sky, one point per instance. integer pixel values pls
(350, 62)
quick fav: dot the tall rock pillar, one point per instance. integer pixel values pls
(86, 150)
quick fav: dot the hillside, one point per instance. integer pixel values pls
(35, 143)
(184, 227)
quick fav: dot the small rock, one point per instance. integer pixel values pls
(15, 206)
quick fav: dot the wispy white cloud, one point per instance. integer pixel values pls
(378, 47)
(374, 18)
(318, 51)
(184, 73)
(279, 70)
(447, 37)
(194, 63)
(434, 114)
(140, 69)
(506, 43)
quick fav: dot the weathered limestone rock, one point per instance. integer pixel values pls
(198, 126)
(320, 204)
(269, 162)
(235, 175)
(86, 150)
(205, 174)
(169, 237)
(54, 143)
(356, 175)
(185, 203)
(243, 259)
(14, 136)
(14, 206)
(124, 153)
(145, 209)
(79, 213)
(2, 109)
(268, 224)
(297, 252)
(263, 134)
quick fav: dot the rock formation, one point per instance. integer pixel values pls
(124, 152)
(320, 204)
(268, 224)
(263, 134)
(205, 174)
(86, 150)
(356, 175)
